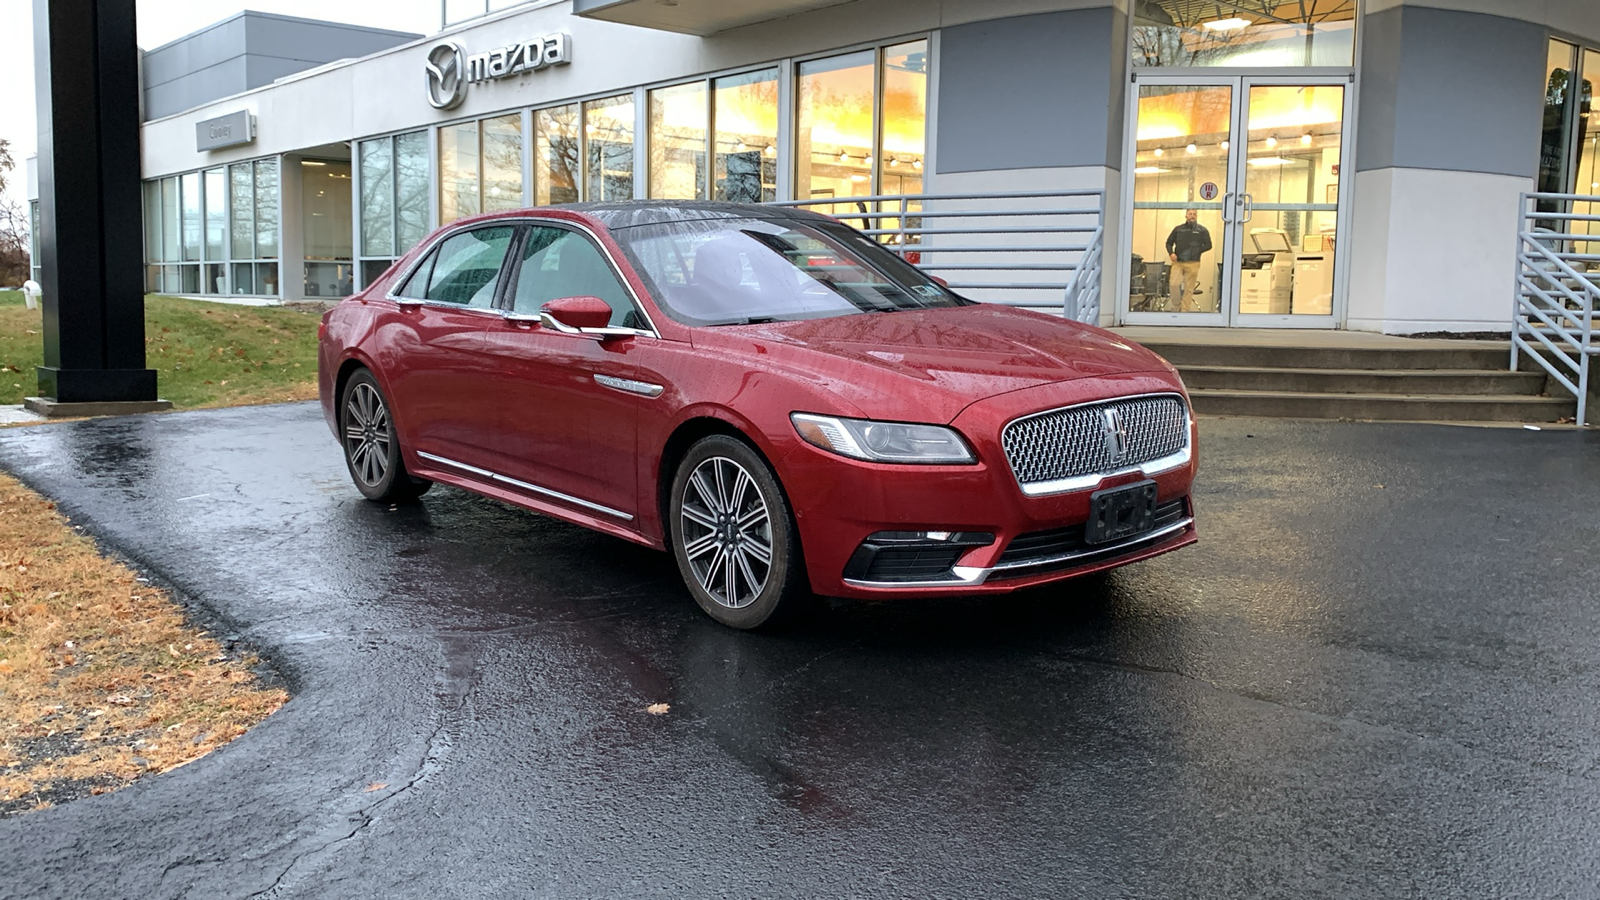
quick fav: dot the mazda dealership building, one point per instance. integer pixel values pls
(1353, 163)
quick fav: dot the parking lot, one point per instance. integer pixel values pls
(1376, 676)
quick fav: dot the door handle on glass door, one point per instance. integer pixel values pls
(1227, 200)
(1249, 201)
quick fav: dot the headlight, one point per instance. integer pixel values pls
(897, 442)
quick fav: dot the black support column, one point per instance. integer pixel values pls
(90, 223)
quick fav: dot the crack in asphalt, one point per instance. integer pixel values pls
(437, 748)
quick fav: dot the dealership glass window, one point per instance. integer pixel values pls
(458, 171)
(216, 201)
(502, 163)
(35, 264)
(171, 248)
(608, 136)
(1587, 177)
(1561, 72)
(152, 222)
(861, 123)
(242, 200)
(480, 167)
(678, 131)
(745, 142)
(833, 127)
(557, 158)
(1241, 33)
(266, 172)
(189, 195)
(394, 194)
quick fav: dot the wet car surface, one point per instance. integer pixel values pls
(1362, 683)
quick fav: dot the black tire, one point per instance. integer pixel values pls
(371, 445)
(720, 531)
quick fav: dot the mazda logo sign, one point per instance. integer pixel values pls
(447, 75)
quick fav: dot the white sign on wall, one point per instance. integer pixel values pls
(450, 69)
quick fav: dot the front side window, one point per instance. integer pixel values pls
(557, 263)
(745, 271)
(464, 270)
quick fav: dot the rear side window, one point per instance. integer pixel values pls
(558, 263)
(464, 270)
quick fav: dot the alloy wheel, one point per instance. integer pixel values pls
(727, 532)
(366, 434)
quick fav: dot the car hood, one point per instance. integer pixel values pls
(928, 365)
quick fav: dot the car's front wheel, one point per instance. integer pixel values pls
(371, 446)
(733, 536)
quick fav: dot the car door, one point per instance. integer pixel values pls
(433, 346)
(568, 405)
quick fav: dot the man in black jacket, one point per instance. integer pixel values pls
(1185, 245)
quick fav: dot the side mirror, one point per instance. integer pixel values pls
(576, 313)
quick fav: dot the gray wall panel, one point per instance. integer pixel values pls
(1451, 91)
(246, 51)
(1029, 92)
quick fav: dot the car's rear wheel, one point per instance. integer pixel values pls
(371, 446)
(733, 536)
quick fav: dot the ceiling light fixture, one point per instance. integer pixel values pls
(1147, 170)
(916, 164)
(740, 147)
(771, 150)
(1224, 145)
(867, 159)
(1306, 139)
(844, 157)
(1192, 148)
(1233, 24)
(1160, 152)
(1272, 140)
(894, 161)
(1263, 162)
(312, 162)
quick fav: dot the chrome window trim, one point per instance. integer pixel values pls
(443, 236)
(973, 576)
(496, 476)
(1093, 479)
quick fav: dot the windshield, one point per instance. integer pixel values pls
(744, 271)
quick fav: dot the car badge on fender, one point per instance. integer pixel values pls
(1116, 434)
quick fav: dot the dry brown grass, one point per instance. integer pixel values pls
(101, 680)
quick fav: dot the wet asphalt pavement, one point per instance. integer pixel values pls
(1376, 676)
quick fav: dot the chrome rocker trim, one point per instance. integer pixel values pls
(532, 488)
(973, 576)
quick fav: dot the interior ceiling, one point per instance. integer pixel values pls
(702, 17)
(1189, 13)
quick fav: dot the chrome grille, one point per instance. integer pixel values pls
(1071, 443)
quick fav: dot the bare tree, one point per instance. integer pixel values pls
(15, 264)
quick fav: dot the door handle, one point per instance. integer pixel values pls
(1249, 201)
(1227, 200)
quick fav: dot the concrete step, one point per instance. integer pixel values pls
(1474, 355)
(1364, 381)
(1385, 407)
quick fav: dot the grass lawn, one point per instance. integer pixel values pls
(206, 354)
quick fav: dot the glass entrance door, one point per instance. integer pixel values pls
(1234, 213)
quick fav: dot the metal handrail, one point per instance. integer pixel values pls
(1553, 315)
(1015, 247)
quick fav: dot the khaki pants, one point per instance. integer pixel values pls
(1182, 283)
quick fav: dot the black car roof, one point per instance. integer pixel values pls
(632, 213)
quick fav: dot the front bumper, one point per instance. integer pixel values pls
(840, 504)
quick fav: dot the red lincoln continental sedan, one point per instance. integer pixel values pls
(780, 402)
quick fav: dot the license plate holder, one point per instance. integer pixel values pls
(1120, 513)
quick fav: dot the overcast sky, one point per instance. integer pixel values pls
(159, 22)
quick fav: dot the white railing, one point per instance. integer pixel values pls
(1036, 249)
(1558, 290)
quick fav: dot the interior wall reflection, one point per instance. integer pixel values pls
(1238, 33)
(1587, 177)
(326, 228)
(502, 163)
(834, 126)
